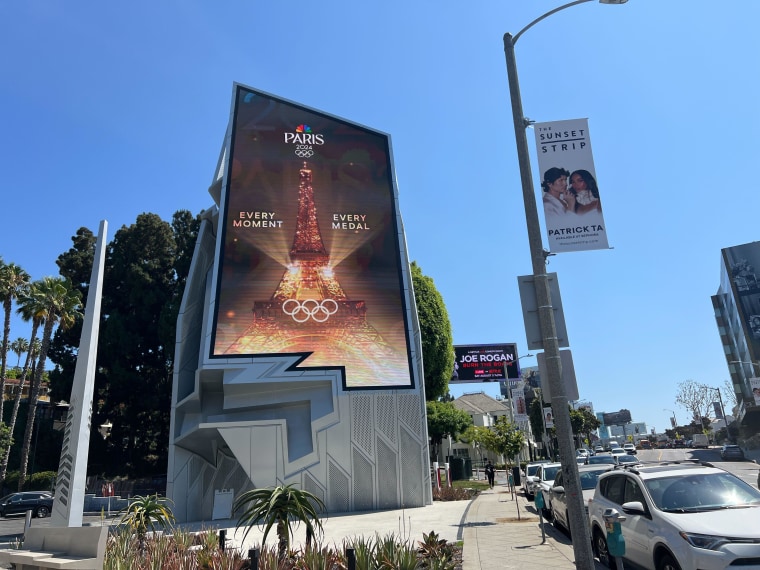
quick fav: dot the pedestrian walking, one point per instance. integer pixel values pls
(490, 473)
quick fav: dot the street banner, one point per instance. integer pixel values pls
(755, 385)
(548, 417)
(519, 406)
(570, 194)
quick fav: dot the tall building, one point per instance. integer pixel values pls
(737, 314)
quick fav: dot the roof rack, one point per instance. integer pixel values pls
(634, 467)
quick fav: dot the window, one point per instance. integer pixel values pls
(614, 489)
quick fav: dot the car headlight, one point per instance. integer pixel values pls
(706, 541)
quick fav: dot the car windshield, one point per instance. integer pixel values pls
(588, 478)
(703, 492)
(550, 473)
(530, 470)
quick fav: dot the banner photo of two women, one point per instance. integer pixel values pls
(571, 197)
(485, 363)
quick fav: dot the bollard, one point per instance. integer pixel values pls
(351, 558)
(253, 559)
(222, 539)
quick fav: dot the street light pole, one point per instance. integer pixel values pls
(582, 540)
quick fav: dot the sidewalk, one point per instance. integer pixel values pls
(502, 532)
(498, 530)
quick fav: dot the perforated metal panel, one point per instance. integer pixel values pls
(361, 418)
(412, 492)
(386, 416)
(363, 485)
(310, 484)
(409, 412)
(387, 476)
(338, 489)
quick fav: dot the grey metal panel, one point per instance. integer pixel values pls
(387, 476)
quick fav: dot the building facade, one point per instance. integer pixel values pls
(737, 315)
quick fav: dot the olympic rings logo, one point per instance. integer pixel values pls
(304, 151)
(302, 311)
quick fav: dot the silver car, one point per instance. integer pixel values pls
(588, 475)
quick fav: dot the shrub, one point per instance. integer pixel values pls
(453, 494)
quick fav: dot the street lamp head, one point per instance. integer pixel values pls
(613, 1)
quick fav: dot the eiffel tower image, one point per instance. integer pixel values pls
(310, 312)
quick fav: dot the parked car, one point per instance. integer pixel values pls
(678, 515)
(731, 453)
(544, 481)
(582, 452)
(645, 444)
(630, 449)
(598, 449)
(529, 478)
(39, 502)
(588, 475)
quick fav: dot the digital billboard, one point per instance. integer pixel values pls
(617, 418)
(485, 363)
(310, 258)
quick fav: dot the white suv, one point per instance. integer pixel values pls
(544, 482)
(679, 515)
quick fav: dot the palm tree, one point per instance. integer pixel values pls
(281, 505)
(58, 302)
(26, 310)
(146, 513)
(19, 346)
(13, 281)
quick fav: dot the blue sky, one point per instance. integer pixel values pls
(108, 110)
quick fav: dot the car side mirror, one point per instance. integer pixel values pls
(634, 508)
(560, 490)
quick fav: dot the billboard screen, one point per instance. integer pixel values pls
(310, 259)
(485, 363)
(571, 197)
(617, 418)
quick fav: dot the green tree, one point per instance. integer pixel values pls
(443, 419)
(435, 333)
(13, 281)
(505, 439)
(536, 417)
(146, 269)
(479, 436)
(281, 506)
(59, 303)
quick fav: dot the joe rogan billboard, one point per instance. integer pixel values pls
(485, 363)
(310, 259)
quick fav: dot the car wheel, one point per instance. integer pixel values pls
(667, 562)
(601, 550)
(41, 512)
